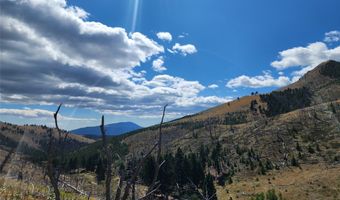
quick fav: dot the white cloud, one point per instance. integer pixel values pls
(213, 86)
(332, 36)
(158, 64)
(306, 58)
(50, 53)
(39, 113)
(183, 35)
(265, 80)
(312, 55)
(164, 36)
(184, 49)
(181, 92)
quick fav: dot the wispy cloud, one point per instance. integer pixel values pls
(265, 80)
(39, 113)
(332, 36)
(213, 86)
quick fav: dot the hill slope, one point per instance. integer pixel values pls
(263, 137)
(32, 140)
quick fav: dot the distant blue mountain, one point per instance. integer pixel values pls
(111, 129)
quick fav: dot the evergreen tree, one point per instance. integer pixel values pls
(310, 149)
(215, 157)
(196, 171)
(167, 175)
(209, 188)
(148, 170)
(298, 147)
(262, 168)
(271, 195)
(294, 162)
(90, 163)
(203, 153)
(100, 171)
(179, 167)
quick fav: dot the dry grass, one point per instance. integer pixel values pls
(11, 189)
(237, 105)
(311, 182)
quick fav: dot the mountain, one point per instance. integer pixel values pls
(287, 140)
(111, 129)
(323, 82)
(287, 109)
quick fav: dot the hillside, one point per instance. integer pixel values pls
(31, 140)
(111, 129)
(323, 81)
(264, 134)
(236, 121)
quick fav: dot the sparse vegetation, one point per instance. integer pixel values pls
(200, 158)
(279, 102)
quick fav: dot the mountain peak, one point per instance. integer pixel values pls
(111, 129)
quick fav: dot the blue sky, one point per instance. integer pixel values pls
(192, 54)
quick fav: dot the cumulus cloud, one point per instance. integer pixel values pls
(332, 36)
(51, 53)
(38, 113)
(164, 36)
(265, 80)
(158, 64)
(311, 55)
(213, 86)
(184, 49)
(303, 59)
(306, 58)
(181, 92)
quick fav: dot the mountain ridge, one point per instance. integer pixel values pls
(112, 129)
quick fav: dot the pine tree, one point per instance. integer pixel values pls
(294, 162)
(179, 167)
(203, 154)
(209, 188)
(215, 157)
(147, 172)
(310, 149)
(100, 171)
(196, 171)
(271, 195)
(298, 147)
(167, 175)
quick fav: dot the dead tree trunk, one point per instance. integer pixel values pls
(52, 171)
(50, 167)
(119, 188)
(136, 173)
(158, 160)
(8, 156)
(108, 156)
